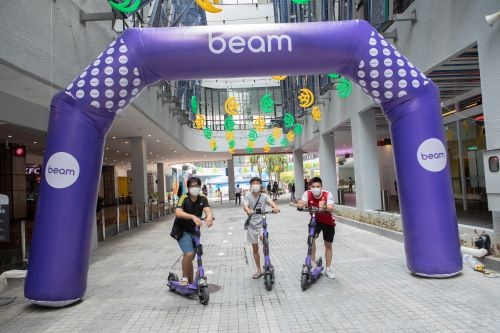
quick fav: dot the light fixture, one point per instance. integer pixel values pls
(126, 141)
(387, 142)
(492, 19)
(149, 134)
(9, 136)
(114, 137)
(449, 112)
(35, 142)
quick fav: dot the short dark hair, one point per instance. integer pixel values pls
(315, 180)
(192, 180)
(256, 179)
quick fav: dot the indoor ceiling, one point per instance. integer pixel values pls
(160, 146)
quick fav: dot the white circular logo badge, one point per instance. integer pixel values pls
(62, 170)
(431, 155)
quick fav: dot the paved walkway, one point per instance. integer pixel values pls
(373, 291)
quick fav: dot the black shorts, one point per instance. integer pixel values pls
(328, 231)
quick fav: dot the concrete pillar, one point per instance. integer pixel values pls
(366, 167)
(328, 163)
(161, 182)
(488, 47)
(139, 171)
(298, 171)
(230, 176)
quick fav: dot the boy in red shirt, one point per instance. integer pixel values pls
(325, 222)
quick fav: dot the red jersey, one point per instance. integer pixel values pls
(326, 217)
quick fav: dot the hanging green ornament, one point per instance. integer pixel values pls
(289, 120)
(231, 143)
(267, 103)
(125, 6)
(250, 150)
(271, 140)
(194, 104)
(300, 2)
(284, 142)
(297, 128)
(207, 132)
(334, 76)
(344, 88)
(252, 135)
(229, 124)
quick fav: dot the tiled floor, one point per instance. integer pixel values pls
(373, 291)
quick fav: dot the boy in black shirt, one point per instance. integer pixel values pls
(188, 212)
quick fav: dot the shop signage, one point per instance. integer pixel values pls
(4, 218)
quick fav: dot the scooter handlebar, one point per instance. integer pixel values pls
(262, 213)
(311, 210)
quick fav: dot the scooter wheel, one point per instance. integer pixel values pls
(319, 262)
(268, 281)
(204, 295)
(172, 278)
(304, 281)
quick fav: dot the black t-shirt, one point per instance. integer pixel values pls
(195, 208)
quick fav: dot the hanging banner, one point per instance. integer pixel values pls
(4, 218)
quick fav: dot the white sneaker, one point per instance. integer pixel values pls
(329, 273)
(184, 281)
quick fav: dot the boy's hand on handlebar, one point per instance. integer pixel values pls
(276, 210)
(197, 221)
(209, 220)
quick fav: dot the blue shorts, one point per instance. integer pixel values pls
(186, 243)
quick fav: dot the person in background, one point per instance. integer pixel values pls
(292, 192)
(350, 184)
(275, 191)
(237, 193)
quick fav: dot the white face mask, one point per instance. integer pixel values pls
(316, 191)
(194, 191)
(255, 188)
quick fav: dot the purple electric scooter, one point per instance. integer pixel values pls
(268, 269)
(200, 285)
(310, 275)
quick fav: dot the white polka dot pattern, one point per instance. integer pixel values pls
(384, 74)
(111, 82)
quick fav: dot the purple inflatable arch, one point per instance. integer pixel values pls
(82, 115)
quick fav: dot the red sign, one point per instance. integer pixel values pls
(20, 151)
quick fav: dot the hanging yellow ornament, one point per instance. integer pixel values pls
(290, 136)
(278, 77)
(276, 132)
(267, 148)
(208, 7)
(259, 123)
(229, 135)
(231, 106)
(199, 122)
(232, 150)
(306, 98)
(213, 144)
(316, 113)
(251, 144)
